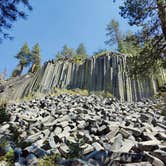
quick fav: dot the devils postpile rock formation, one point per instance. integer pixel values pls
(108, 72)
(126, 129)
(112, 132)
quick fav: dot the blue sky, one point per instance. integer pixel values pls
(53, 23)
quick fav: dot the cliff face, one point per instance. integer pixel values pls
(105, 73)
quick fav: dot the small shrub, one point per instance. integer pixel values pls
(104, 94)
(162, 106)
(78, 59)
(49, 160)
(4, 115)
(163, 112)
(15, 134)
(75, 148)
(82, 92)
(30, 96)
(8, 157)
(101, 53)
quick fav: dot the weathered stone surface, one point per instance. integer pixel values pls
(138, 164)
(51, 141)
(31, 160)
(64, 149)
(111, 134)
(117, 143)
(148, 145)
(127, 146)
(3, 163)
(154, 160)
(105, 73)
(97, 146)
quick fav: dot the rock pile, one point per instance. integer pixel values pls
(114, 133)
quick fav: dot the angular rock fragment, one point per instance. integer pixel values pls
(87, 149)
(154, 160)
(52, 141)
(127, 146)
(112, 133)
(31, 160)
(97, 146)
(148, 145)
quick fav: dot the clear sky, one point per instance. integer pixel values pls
(53, 23)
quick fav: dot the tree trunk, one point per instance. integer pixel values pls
(32, 70)
(161, 4)
(21, 69)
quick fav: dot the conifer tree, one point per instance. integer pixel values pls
(35, 59)
(81, 52)
(67, 52)
(150, 17)
(24, 57)
(10, 12)
(113, 34)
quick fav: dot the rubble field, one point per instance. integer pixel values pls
(112, 132)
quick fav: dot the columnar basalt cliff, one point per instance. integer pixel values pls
(105, 73)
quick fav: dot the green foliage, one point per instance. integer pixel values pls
(24, 57)
(130, 45)
(82, 92)
(9, 13)
(67, 53)
(113, 34)
(49, 160)
(27, 57)
(75, 148)
(4, 115)
(15, 134)
(8, 157)
(144, 14)
(81, 52)
(101, 52)
(16, 72)
(104, 94)
(147, 61)
(35, 58)
(162, 106)
(58, 56)
(149, 16)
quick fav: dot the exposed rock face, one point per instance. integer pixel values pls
(105, 73)
(113, 132)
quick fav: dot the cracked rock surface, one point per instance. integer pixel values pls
(114, 132)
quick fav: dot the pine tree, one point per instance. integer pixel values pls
(81, 52)
(130, 45)
(150, 17)
(24, 57)
(35, 59)
(67, 52)
(9, 13)
(113, 34)
(58, 56)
